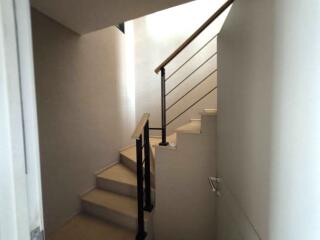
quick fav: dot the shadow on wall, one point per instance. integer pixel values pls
(84, 111)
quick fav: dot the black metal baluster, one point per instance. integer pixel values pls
(141, 233)
(147, 168)
(163, 108)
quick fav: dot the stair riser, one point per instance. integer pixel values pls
(128, 163)
(117, 187)
(209, 124)
(109, 215)
(114, 217)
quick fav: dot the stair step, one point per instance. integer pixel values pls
(209, 121)
(194, 126)
(83, 226)
(128, 155)
(116, 208)
(118, 179)
(209, 112)
(171, 139)
(129, 159)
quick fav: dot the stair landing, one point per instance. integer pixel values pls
(84, 227)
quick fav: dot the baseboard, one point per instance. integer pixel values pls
(87, 191)
(125, 148)
(62, 224)
(105, 168)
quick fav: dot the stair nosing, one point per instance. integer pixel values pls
(123, 213)
(117, 181)
(99, 176)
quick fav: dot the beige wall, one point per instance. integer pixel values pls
(185, 206)
(84, 109)
(268, 121)
(156, 36)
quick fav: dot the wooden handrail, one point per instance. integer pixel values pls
(194, 35)
(139, 128)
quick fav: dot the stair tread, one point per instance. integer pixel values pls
(119, 173)
(83, 226)
(130, 152)
(155, 141)
(191, 127)
(209, 112)
(115, 202)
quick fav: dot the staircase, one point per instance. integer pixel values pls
(114, 198)
(121, 204)
(109, 211)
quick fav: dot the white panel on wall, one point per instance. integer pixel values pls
(233, 223)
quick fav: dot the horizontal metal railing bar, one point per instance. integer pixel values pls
(155, 128)
(139, 128)
(194, 87)
(194, 35)
(172, 120)
(201, 65)
(192, 56)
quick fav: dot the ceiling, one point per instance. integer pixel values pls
(83, 16)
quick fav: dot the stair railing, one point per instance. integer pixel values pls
(161, 68)
(141, 135)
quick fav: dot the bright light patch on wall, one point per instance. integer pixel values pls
(129, 66)
(181, 20)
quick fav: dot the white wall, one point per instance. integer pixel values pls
(93, 16)
(30, 121)
(269, 96)
(185, 206)
(156, 37)
(84, 109)
(14, 219)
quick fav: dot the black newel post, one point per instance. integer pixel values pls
(141, 233)
(148, 207)
(163, 108)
